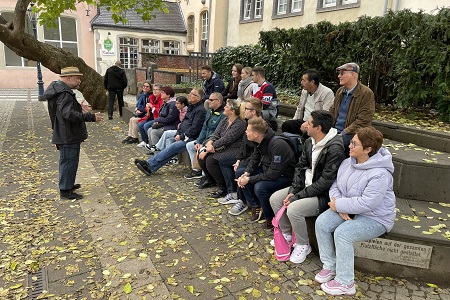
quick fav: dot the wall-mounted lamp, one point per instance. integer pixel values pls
(203, 2)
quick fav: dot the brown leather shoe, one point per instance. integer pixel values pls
(267, 225)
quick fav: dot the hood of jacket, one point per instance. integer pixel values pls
(381, 159)
(55, 88)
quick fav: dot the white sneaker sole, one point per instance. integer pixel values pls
(300, 261)
(237, 214)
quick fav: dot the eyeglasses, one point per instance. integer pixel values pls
(146, 86)
(354, 144)
(196, 95)
(246, 108)
(212, 99)
(342, 72)
(156, 89)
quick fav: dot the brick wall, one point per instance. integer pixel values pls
(166, 77)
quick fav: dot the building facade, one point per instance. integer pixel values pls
(238, 22)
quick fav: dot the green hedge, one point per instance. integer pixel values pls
(404, 56)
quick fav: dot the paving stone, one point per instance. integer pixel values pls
(376, 288)
(386, 295)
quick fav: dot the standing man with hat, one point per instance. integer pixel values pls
(115, 82)
(68, 119)
(354, 104)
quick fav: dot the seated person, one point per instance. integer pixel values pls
(245, 86)
(219, 153)
(270, 168)
(168, 117)
(265, 91)
(252, 109)
(152, 109)
(230, 91)
(168, 136)
(315, 173)
(213, 117)
(315, 96)
(188, 131)
(139, 112)
(362, 207)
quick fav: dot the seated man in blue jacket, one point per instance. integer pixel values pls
(188, 131)
(212, 83)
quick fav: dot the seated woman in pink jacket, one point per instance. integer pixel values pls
(362, 207)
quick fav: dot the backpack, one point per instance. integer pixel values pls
(282, 247)
(294, 140)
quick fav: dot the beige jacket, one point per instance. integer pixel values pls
(323, 99)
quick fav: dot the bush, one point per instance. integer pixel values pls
(404, 56)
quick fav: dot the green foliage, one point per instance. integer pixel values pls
(404, 56)
(50, 10)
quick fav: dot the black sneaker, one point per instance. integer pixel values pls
(109, 117)
(206, 183)
(127, 140)
(143, 166)
(70, 195)
(194, 174)
(76, 186)
(173, 161)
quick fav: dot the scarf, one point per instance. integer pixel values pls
(243, 84)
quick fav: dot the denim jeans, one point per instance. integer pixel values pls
(160, 159)
(143, 127)
(249, 195)
(166, 139)
(190, 147)
(339, 254)
(226, 167)
(69, 157)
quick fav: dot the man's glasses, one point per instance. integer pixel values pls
(210, 99)
(246, 108)
(196, 95)
(342, 72)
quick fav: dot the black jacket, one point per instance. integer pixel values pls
(115, 79)
(214, 84)
(325, 171)
(67, 117)
(192, 122)
(275, 156)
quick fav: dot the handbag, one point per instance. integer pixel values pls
(282, 247)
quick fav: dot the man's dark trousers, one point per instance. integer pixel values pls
(69, 157)
(112, 98)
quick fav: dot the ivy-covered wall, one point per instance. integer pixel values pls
(404, 56)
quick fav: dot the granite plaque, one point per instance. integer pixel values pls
(408, 254)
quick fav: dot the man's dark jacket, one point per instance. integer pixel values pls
(67, 117)
(115, 79)
(214, 84)
(192, 122)
(275, 156)
(325, 171)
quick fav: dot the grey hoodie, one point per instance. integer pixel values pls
(367, 189)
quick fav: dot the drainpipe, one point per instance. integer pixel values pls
(209, 24)
(225, 31)
(385, 7)
(397, 2)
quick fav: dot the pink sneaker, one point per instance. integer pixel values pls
(335, 288)
(324, 276)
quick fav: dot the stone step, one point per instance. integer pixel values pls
(419, 243)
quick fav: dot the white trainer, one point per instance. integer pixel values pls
(288, 238)
(142, 144)
(299, 253)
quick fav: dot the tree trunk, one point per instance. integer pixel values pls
(55, 59)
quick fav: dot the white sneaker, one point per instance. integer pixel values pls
(238, 208)
(228, 199)
(299, 253)
(287, 236)
(142, 144)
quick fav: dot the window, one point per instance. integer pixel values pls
(11, 58)
(296, 5)
(150, 46)
(252, 10)
(190, 29)
(171, 47)
(282, 7)
(205, 25)
(128, 52)
(247, 9)
(64, 35)
(331, 5)
(287, 8)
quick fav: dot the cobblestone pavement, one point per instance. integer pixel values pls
(132, 236)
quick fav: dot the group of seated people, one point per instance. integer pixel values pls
(343, 175)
